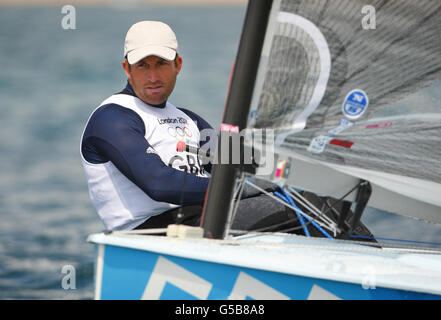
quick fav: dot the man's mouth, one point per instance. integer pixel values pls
(153, 89)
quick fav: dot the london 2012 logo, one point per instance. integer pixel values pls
(180, 133)
(355, 104)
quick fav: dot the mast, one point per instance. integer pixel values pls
(221, 186)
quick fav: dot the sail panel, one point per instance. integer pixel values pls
(356, 84)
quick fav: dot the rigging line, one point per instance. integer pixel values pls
(311, 221)
(287, 199)
(293, 229)
(241, 183)
(269, 228)
(313, 209)
(307, 223)
(361, 245)
(300, 216)
(331, 206)
(273, 196)
(393, 239)
(238, 188)
(308, 205)
(338, 213)
(284, 203)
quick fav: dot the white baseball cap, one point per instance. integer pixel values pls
(150, 38)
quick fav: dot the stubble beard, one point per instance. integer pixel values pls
(140, 91)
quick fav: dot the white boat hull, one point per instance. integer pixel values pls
(280, 266)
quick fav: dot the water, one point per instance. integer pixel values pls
(51, 80)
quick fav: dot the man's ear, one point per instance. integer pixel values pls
(126, 67)
(178, 63)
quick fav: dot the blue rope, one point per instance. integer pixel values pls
(291, 201)
(312, 221)
(287, 200)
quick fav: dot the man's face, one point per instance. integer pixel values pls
(153, 78)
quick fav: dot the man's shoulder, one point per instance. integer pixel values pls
(112, 114)
(121, 99)
(111, 109)
(187, 112)
(201, 123)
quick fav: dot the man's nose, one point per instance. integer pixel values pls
(153, 75)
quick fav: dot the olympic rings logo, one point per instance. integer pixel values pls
(179, 133)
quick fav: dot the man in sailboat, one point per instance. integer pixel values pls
(136, 176)
(129, 144)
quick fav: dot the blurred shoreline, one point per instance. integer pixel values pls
(121, 2)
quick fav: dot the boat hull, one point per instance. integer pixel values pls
(126, 272)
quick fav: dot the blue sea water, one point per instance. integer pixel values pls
(51, 80)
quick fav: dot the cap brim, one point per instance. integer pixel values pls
(140, 53)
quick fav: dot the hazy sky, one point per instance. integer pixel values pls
(73, 2)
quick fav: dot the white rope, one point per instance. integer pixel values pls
(288, 205)
(304, 202)
(240, 184)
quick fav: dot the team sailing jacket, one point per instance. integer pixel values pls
(133, 169)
